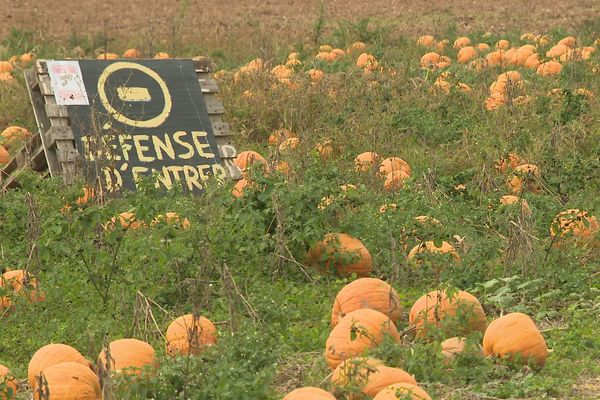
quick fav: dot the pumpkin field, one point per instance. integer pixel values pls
(418, 215)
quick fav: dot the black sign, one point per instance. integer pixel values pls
(144, 118)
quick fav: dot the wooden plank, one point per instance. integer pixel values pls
(56, 111)
(57, 133)
(45, 85)
(214, 105)
(208, 86)
(203, 65)
(221, 129)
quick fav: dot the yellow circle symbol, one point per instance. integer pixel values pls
(149, 123)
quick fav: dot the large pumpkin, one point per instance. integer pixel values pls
(69, 381)
(515, 336)
(430, 60)
(459, 314)
(365, 161)
(190, 335)
(8, 385)
(430, 247)
(574, 223)
(371, 379)
(402, 391)
(18, 280)
(14, 134)
(568, 41)
(50, 355)
(495, 57)
(128, 356)
(370, 293)
(525, 177)
(549, 68)
(392, 164)
(354, 371)
(533, 61)
(355, 333)
(395, 180)
(466, 54)
(451, 347)
(309, 393)
(342, 253)
(557, 51)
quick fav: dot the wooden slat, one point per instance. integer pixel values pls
(221, 129)
(45, 85)
(209, 86)
(56, 133)
(213, 105)
(56, 111)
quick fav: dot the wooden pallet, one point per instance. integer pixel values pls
(52, 150)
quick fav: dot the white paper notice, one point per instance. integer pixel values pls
(67, 83)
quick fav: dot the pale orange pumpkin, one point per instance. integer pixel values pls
(365, 161)
(4, 155)
(557, 51)
(309, 393)
(462, 42)
(478, 64)
(127, 356)
(132, 53)
(325, 149)
(69, 381)
(281, 72)
(514, 337)
(7, 383)
(246, 159)
(451, 347)
(338, 52)
(549, 68)
(326, 56)
(466, 54)
(172, 218)
(525, 177)
(161, 55)
(6, 77)
(503, 44)
(370, 378)
(315, 75)
(108, 56)
(289, 144)
(18, 280)
(430, 247)
(325, 48)
(370, 293)
(392, 164)
(427, 220)
(576, 224)
(239, 187)
(190, 335)
(495, 101)
(483, 47)
(341, 253)
(460, 313)
(356, 47)
(14, 134)
(49, 355)
(367, 62)
(294, 62)
(277, 137)
(5, 66)
(426, 40)
(430, 60)
(568, 41)
(395, 180)
(402, 391)
(510, 199)
(127, 220)
(533, 61)
(495, 57)
(355, 333)
(511, 161)
(523, 55)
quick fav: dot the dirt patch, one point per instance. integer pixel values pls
(233, 18)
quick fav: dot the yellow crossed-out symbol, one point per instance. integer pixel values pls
(134, 94)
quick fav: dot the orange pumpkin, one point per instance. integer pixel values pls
(69, 381)
(495, 57)
(366, 61)
(309, 393)
(461, 42)
(430, 60)
(533, 61)
(522, 55)
(49, 355)
(503, 44)
(5, 67)
(239, 187)
(568, 41)
(18, 279)
(392, 164)
(325, 149)
(371, 379)
(172, 218)
(14, 134)
(279, 136)
(557, 51)
(6, 77)
(282, 72)
(525, 177)
(246, 159)
(356, 47)
(515, 336)
(127, 220)
(483, 47)
(451, 347)
(4, 155)
(427, 220)
(127, 356)
(132, 53)
(510, 199)
(402, 391)
(574, 223)
(108, 56)
(395, 180)
(8, 384)
(370, 293)
(365, 161)
(161, 56)
(289, 144)
(283, 167)
(190, 335)
(461, 313)
(495, 101)
(341, 253)
(315, 74)
(511, 161)
(430, 247)
(549, 68)
(466, 54)
(293, 63)
(426, 40)
(355, 333)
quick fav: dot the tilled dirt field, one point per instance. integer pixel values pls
(287, 18)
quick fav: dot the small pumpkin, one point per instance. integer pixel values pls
(511, 199)
(549, 68)
(190, 335)
(14, 134)
(18, 280)
(172, 218)
(239, 187)
(522, 55)
(127, 356)
(132, 53)
(515, 336)
(49, 355)
(325, 149)
(511, 161)
(430, 60)
(289, 144)
(574, 223)
(426, 40)
(278, 136)
(459, 313)
(451, 347)
(161, 55)
(503, 44)
(483, 47)
(108, 56)
(466, 54)
(392, 164)
(309, 393)
(282, 72)
(8, 384)
(355, 333)
(127, 220)
(356, 47)
(402, 391)
(5, 67)
(370, 293)
(430, 247)
(525, 177)
(246, 159)
(315, 75)
(462, 42)
(69, 381)
(342, 253)
(365, 161)
(367, 61)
